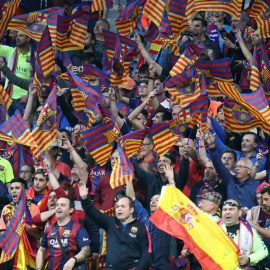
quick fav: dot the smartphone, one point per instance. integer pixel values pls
(224, 34)
(57, 142)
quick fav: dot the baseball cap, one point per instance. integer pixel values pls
(214, 197)
(261, 187)
(130, 84)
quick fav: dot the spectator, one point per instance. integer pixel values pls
(27, 173)
(72, 235)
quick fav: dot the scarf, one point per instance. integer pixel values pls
(245, 239)
(42, 205)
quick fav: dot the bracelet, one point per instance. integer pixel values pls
(150, 78)
(172, 183)
(71, 150)
(201, 146)
(213, 146)
(112, 99)
(141, 48)
(75, 259)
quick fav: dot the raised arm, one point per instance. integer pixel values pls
(134, 114)
(244, 48)
(82, 167)
(29, 106)
(261, 175)
(114, 109)
(202, 151)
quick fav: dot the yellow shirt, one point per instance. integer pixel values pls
(23, 69)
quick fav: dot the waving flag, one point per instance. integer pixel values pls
(16, 130)
(5, 99)
(45, 53)
(44, 131)
(91, 72)
(233, 7)
(258, 7)
(189, 56)
(128, 19)
(247, 111)
(179, 217)
(85, 96)
(99, 140)
(33, 24)
(132, 142)
(263, 22)
(7, 10)
(255, 81)
(122, 172)
(154, 11)
(98, 5)
(265, 68)
(120, 52)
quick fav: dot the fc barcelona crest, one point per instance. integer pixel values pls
(66, 233)
(36, 21)
(240, 114)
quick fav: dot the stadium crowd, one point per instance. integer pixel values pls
(61, 206)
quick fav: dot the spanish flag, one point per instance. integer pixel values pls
(178, 216)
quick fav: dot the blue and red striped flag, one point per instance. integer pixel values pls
(16, 130)
(265, 69)
(132, 142)
(45, 53)
(189, 56)
(255, 80)
(7, 10)
(128, 19)
(91, 72)
(99, 140)
(9, 241)
(152, 33)
(98, 5)
(247, 111)
(122, 172)
(85, 96)
(44, 131)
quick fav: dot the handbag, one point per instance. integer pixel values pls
(82, 266)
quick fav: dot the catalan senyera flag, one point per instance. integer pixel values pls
(132, 142)
(232, 7)
(178, 216)
(263, 22)
(247, 111)
(257, 8)
(154, 11)
(5, 99)
(128, 19)
(7, 10)
(45, 53)
(255, 80)
(122, 172)
(98, 5)
(44, 131)
(85, 96)
(16, 130)
(99, 140)
(191, 53)
(155, 47)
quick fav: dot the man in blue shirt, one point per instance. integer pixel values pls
(240, 186)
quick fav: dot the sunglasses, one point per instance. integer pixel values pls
(231, 204)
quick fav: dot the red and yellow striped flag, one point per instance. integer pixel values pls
(5, 99)
(263, 22)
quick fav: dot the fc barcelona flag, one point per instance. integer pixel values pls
(99, 140)
(255, 78)
(190, 56)
(128, 19)
(16, 130)
(132, 142)
(5, 99)
(85, 96)
(44, 131)
(258, 7)
(233, 7)
(179, 217)
(122, 172)
(247, 111)
(7, 10)
(33, 24)
(98, 5)
(263, 22)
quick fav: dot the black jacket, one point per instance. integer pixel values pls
(126, 247)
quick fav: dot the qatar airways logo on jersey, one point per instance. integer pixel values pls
(54, 243)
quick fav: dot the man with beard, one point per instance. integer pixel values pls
(19, 61)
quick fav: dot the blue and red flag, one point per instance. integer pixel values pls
(99, 140)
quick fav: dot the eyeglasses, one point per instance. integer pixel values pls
(240, 167)
(231, 204)
(26, 171)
